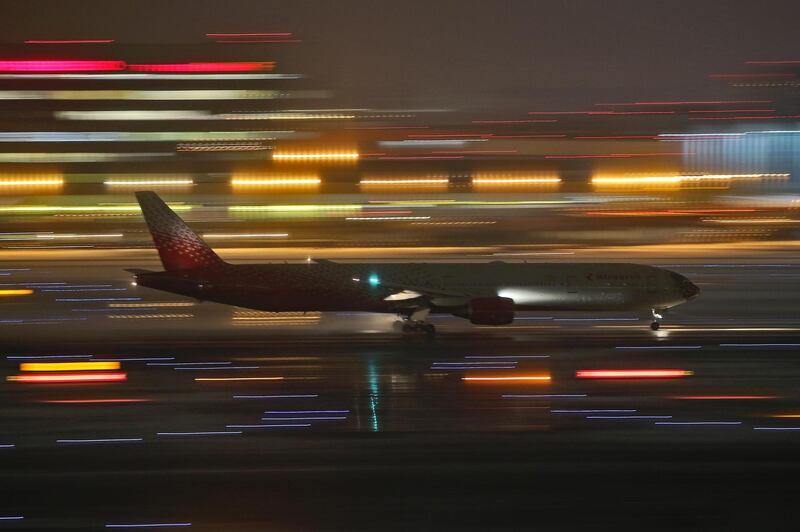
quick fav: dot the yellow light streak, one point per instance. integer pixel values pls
(515, 179)
(16, 292)
(343, 155)
(68, 366)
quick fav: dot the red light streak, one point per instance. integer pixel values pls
(734, 75)
(786, 62)
(70, 377)
(778, 117)
(93, 401)
(631, 373)
(70, 41)
(60, 66)
(689, 102)
(733, 111)
(235, 35)
(252, 66)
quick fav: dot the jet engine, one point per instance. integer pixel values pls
(490, 311)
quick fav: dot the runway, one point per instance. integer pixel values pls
(234, 420)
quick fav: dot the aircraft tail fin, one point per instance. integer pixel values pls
(178, 246)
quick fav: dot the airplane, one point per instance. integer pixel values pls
(488, 293)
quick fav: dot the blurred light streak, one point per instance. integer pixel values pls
(723, 397)
(46, 357)
(519, 179)
(68, 366)
(306, 418)
(33, 181)
(692, 102)
(153, 304)
(285, 396)
(15, 292)
(660, 347)
(547, 396)
(287, 425)
(147, 525)
(157, 94)
(77, 208)
(201, 433)
(676, 181)
(751, 221)
(343, 155)
(520, 378)
(69, 378)
(117, 76)
(69, 41)
(776, 428)
(249, 66)
(149, 316)
(239, 378)
(384, 218)
(506, 356)
(94, 401)
(149, 182)
(532, 121)
(62, 65)
(714, 111)
(759, 345)
(631, 373)
(702, 423)
(244, 181)
(628, 417)
(134, 136)
(236, 236)
(73, 157)
(597, 411)
(8, 446)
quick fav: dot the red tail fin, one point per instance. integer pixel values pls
(178, 246)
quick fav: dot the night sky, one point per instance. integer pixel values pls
(479, 53)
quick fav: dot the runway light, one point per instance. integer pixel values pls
(16, 181)
(251, 66)
(632, 373)
(60, 66)
(16, 292)
(69, 378)
(67, 366)
(519, 378)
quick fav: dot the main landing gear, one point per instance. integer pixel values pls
(655, 324)
(416, 323)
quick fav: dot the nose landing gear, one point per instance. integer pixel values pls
(655, 324)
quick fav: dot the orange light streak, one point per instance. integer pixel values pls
(69, 377)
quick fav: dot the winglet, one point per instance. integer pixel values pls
(178, 246)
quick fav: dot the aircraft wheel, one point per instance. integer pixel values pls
(655, 326)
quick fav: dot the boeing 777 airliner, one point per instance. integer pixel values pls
(484, 293)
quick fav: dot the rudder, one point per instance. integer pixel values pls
(178, 246)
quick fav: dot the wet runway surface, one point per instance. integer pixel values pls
(229, 419)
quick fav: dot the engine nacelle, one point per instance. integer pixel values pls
(490, 311)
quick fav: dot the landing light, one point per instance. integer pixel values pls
(374, 280)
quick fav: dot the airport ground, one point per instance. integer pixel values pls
(235, 420)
